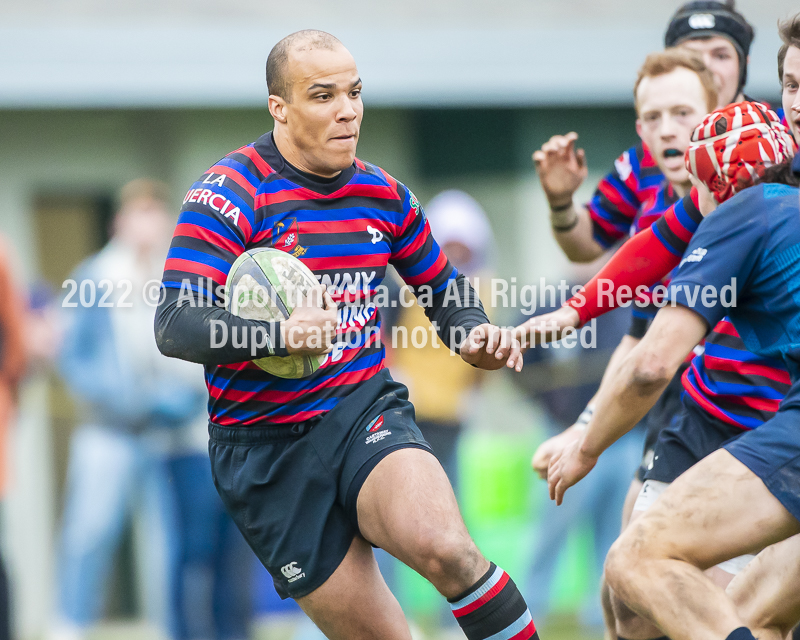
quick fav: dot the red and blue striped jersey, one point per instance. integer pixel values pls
(733, 384)
(346, 230)
(630, 198)
(728, 381)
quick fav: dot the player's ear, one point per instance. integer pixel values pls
(277, 108)
(638, 127)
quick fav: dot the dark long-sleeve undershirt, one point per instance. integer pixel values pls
(187, 327)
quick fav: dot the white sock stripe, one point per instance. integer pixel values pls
(472, 597)
(513, 629)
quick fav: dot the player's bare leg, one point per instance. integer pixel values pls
(355, 603)
(656, 567)
(766, 591)
(632, 626)
(407, 507)
(609, 617)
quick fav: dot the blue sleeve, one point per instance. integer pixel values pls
(713, 275)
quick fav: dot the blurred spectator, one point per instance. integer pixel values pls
(13, 356)
(43, 332)
(439, 384)
(563, 380)
(212, 584)
(136, 449)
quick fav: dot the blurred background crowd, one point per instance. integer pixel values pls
(110, 526)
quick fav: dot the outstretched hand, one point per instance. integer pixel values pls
(553, 447)
(490, 347)
(568, 468)
(548, 327)
(561, 168)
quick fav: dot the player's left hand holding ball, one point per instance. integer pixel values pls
(311, 327)
(490, 347)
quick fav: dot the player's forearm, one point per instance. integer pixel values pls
(625, 346)
(642, 261)
(623, 402)
(572, 229)
(211, 335)
(629, 393)
(455, 318)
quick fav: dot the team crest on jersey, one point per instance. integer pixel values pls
(415, 205)
(376, 424)
(286, 237)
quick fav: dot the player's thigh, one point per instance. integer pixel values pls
(355, 603)
(767, 590)
(717, 510)
(407, 507)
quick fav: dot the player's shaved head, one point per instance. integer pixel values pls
(279, 82)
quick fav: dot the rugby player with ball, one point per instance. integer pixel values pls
(317, 469)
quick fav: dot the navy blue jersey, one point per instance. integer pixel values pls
(750, 244)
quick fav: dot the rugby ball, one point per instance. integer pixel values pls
(266, 284)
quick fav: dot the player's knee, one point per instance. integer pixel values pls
(620, 565)
(622, 613)
(444, 554)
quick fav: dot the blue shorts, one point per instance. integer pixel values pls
(293, 495)
(662, 414)
(692, 436)
(772, 452)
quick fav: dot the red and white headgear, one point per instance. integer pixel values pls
(733, 145)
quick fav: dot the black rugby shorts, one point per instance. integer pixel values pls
(294, 496)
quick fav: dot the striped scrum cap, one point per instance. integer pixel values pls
(733, 145)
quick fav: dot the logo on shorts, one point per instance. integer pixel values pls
(291, 572)
(377, 436)
(376, 424)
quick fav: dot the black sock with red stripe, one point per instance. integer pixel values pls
(494, 607)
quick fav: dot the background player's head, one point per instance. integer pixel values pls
(315, 99)
(722, 36)
(673, 92)
(789, 72)
(143, 221)
(734, 147)
(462, 229)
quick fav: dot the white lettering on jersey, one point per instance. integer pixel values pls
(214, 200)
(377, 236)
(210, 179)
(361, 281)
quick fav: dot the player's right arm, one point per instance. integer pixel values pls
(642, 261)
(216, 224)
(585, 232)
(554, 446)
